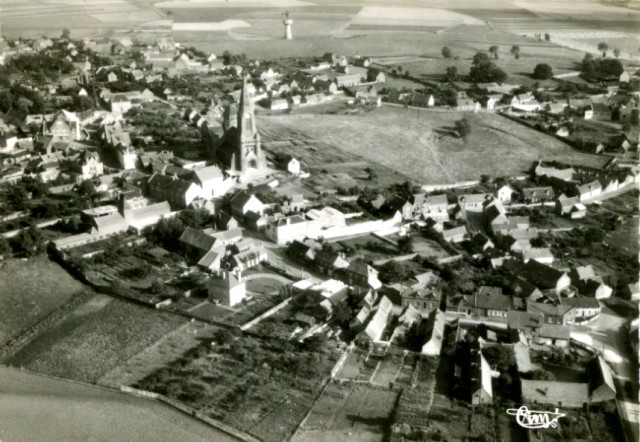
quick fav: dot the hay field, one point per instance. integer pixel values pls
(29, 291)
(418, 143)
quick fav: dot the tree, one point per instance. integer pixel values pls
(405, 244)
(616, 52)
(452, 73)
(483, 70)
(446, 52)
(515, 50)
(157, 287)
(626, 126)
(30, 241)
(87, 189)
(602, 46)
(463, 127)
(5, 247)
(547, 37)
(542, 375)
(635, 117)
(66, 33)
(542, 71)
(500, 357)
(493, 50)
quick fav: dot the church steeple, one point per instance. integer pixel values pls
(248, 149)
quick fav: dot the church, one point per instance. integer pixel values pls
(242, 149)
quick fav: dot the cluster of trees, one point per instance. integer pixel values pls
(601, 68)
(229, 58)
(167, 130)
(41, 66)
(167, 232)
(15, 197)
(22, 99)
(483, 70)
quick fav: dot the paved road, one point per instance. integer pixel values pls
(36, 408)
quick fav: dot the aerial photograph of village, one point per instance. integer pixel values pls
(319, 220)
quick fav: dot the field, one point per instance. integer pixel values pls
(364, 411)
(166, 350)
(264, 387)
(96, 337)
(28, 293)
(420, 143)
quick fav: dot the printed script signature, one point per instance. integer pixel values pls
(533, 419)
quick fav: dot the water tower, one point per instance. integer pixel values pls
(287, 26)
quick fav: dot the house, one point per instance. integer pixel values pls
(210, 180)
(504, 193)
(560, 314)
(244, 202)
(90, 165)
(481, 390)
(631, 292)
(224, 221)
(602, 387)
(249, 257)
(541, 254)
(553, 335)
(624, 77)
(228, 289)
(211, 261)
(279, 104)
(584, 308)
(327, 262)
(303, 251)
(197, 242)
(600, 112)
(178, 192)
(570, 207)
(491, 102)
(288, 229)
(490, 302)
(435, 325)
(457, 234)
(472, 202)
(360, 274)
(525, 322)
(588, 283)
(348, 80)
(532, 195)
(565, 174)
(422, 299)
(379, 320)
(589, 190)
(290, 164)
(545, 277)
(467, 104)
(555, 393)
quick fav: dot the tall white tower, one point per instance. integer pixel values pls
(287, 26)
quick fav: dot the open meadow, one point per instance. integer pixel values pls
(30, 290)
(96, 337)
(423, 145)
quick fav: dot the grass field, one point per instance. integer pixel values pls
(42, 409)
(29, 291)
(95, 338)
(421, 144)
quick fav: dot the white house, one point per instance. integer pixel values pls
(504, 193)
(210, 179)
(228, 289)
